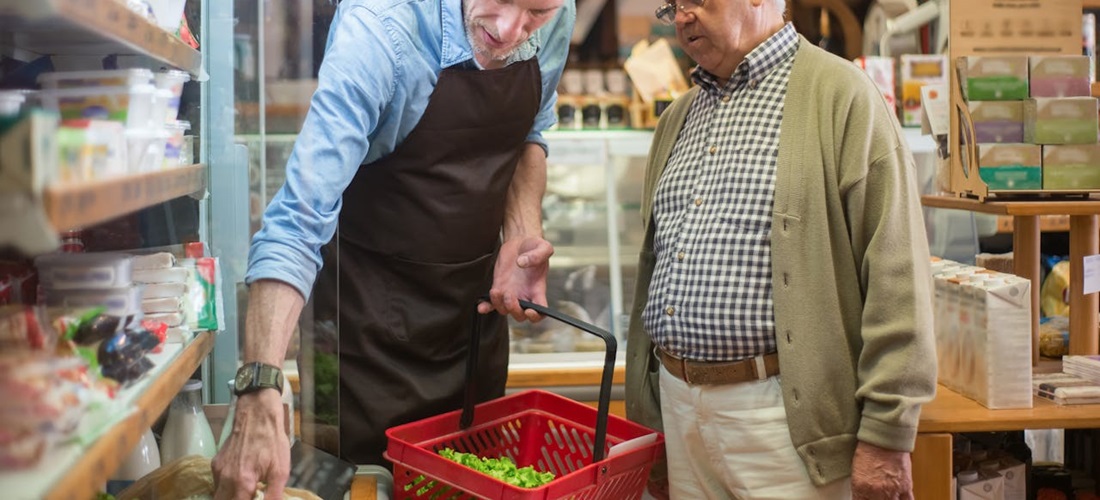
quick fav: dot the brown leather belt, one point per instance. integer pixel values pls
(719, 372)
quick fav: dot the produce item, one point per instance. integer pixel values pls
(189, 478)
(502, 468)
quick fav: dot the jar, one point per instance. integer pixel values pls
(187, 432)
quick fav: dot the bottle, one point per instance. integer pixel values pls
(227, 427)
(187, 432)
(144, 459)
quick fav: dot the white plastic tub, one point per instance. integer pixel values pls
(172, 81)
(173, 149)
(91, 79)
(130, 105)
(145, 150)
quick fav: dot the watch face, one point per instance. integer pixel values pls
(244, 378)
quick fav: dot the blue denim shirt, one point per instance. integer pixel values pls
(382, 61)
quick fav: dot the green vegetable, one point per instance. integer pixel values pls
(503, 469)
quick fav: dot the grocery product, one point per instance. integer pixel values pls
(1011, 166)
(1064, 120)
(187, 432)
(994, 78)
(998, 121)
(1059, 76)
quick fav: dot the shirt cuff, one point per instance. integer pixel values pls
(271, 268)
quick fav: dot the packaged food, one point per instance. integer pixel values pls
(163, 290)
(173, 148)
(22, 328)
(159, 260)
(123, 301)
(172, 81)
(145, 149)
(130, 105)
(90, 150)
(169, 275)
(92, 79)
(84, 271)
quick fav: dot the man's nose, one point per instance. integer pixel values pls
(511, 27)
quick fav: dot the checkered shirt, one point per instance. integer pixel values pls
(710, 298)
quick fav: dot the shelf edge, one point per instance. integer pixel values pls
(87, 204)
(103, 457)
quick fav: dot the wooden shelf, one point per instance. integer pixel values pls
(90, 27)
(1083, 206)
(1047, 224)
(86, 204)
(951, 412)
(73, 471)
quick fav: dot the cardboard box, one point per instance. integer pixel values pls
(994, 78)
(918, 70)
(1061, 120)
(1071, 166)
(998, 121)
(1059, 76)
(1011, 166)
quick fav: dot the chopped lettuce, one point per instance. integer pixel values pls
(503, 469)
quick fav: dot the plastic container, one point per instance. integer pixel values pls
(130, 105)
(84, 271)
(173, 148)
(11, 101)
(168, 13)
(172, 81)
(533, 428)
(187, 432)
(94, 79)
(145, 150)
(124, 301)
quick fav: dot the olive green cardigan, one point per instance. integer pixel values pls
(850, 270)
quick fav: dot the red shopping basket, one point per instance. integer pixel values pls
(537, 428)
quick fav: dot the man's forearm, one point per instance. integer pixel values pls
(273, 310)
(523, 206)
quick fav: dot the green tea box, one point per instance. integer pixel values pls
(1059, 76)
(1074, 166)
(994, 78)
(1011, 166)
(997, 121)
(1060, 120)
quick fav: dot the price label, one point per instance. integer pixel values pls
(1091, 275)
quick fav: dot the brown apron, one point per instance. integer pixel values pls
(418, 238)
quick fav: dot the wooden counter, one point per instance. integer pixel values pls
(540, 376)
(950, 412)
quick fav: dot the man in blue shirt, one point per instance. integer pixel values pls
(417, 182)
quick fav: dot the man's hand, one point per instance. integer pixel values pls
(520, 273)
(258, 450)
(881, 474)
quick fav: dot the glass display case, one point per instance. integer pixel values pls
(591, 214)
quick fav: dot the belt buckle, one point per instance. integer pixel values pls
(761, 369)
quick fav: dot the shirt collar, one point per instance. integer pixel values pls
(456, 47)
(761, 61)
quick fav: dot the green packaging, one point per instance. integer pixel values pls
(1006, 167)
(1071, 167)
(994, 78)
(1060, 120)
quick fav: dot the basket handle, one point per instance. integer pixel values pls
(605, 381)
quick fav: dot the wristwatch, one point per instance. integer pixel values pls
(256, 376)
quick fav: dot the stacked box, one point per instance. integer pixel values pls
(994, 78)
(1059, 76)
(1074, 166)
(918, 70)
(1011, 166)
(1061, 120)
(998, 121)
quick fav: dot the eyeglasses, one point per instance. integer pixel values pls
(667, 12)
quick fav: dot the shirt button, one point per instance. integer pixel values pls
(753, 83)
(680, 256)
(713, 149)
(726, 98)
(670, 310)
(698, 201)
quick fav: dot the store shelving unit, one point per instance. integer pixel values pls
(950, 412)
(75, 471)
(84, 204)
(78, 467)
(90, 27)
